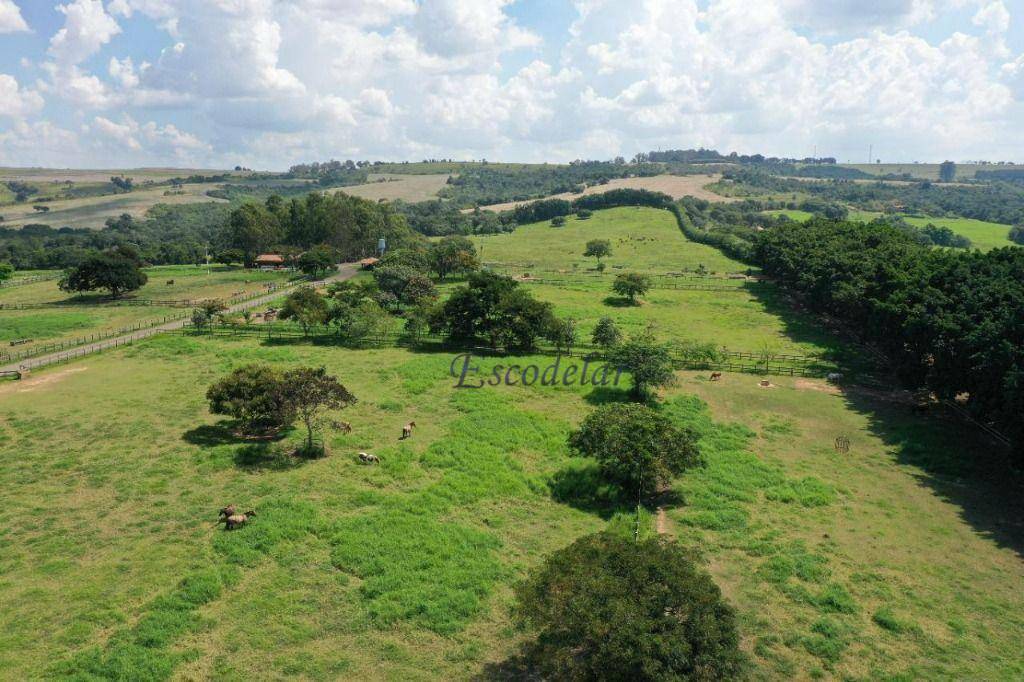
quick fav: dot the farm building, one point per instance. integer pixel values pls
(270, 261)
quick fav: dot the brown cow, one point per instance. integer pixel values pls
(715, 376)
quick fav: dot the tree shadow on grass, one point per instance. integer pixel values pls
(265, 453)
(266, 457)
(954, 458)
(518, 667)
(210, 435)
(620, 302)
(606, 395)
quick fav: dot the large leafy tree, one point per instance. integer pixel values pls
(492, 307)
(606, 608)
(116, 272)
(648, 362)
(317, 261)
(251, 395)
(631, 285)
(636, 447)
(6, 271)
(453, 255)
(598, 248)
(305, 306)
(310, 392)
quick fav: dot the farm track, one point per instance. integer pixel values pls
(345, 271)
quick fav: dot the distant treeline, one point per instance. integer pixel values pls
(1003, 174)
(997, 203)
(168, 235)
(483, 185)
(950, 321)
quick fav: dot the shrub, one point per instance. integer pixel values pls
(606, 333)
(635, 446)
(608, 608)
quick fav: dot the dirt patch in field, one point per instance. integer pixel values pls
(676, 186)
(809, 385)
(34, 382)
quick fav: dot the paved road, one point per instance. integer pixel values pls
(345, 271)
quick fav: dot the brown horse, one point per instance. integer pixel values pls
(407, 430)
(715, 376)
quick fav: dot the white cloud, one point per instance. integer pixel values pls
(270, 82)
(87, 28)
(15, 102)
(11, 20)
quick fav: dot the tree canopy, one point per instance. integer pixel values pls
(114, 271)
(636, 446)
(607, 608)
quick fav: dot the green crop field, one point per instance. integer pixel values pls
(90, 313)
(895, 560)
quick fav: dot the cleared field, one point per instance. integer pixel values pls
(924, 171)
(792, 214)
(676, 186)
(389, 187)
(643, 240)
(92, 212)
(49, 325)
(895, 560)
(983, 235)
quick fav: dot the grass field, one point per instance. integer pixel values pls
(90, 316)
(643, 240)
(924, 171)
(983, 235)
(92, 212)
(411, 188)
(676, 186)
(792, 214)
(897, 560)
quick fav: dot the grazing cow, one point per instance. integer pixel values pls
(407, 430)
(715, 376)
(235, 520)
(344, 427)
(834, 378)
(367, 458)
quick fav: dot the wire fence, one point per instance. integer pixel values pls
(32, 279)
(142, 302)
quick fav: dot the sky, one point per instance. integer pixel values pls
(269, 83)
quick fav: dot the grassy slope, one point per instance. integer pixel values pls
(643, 239)
(54, 324)
(893, 559)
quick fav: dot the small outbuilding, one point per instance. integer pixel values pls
(270, 261)
(369, 263)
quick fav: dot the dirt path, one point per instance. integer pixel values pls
(662, 521)
(345, 271)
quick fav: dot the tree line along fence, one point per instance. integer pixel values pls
(721, 359)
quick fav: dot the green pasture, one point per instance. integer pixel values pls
(983, 235)
(91, 313)
(642, 239)
(899, 559)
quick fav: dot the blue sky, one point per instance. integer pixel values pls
(268, 83)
